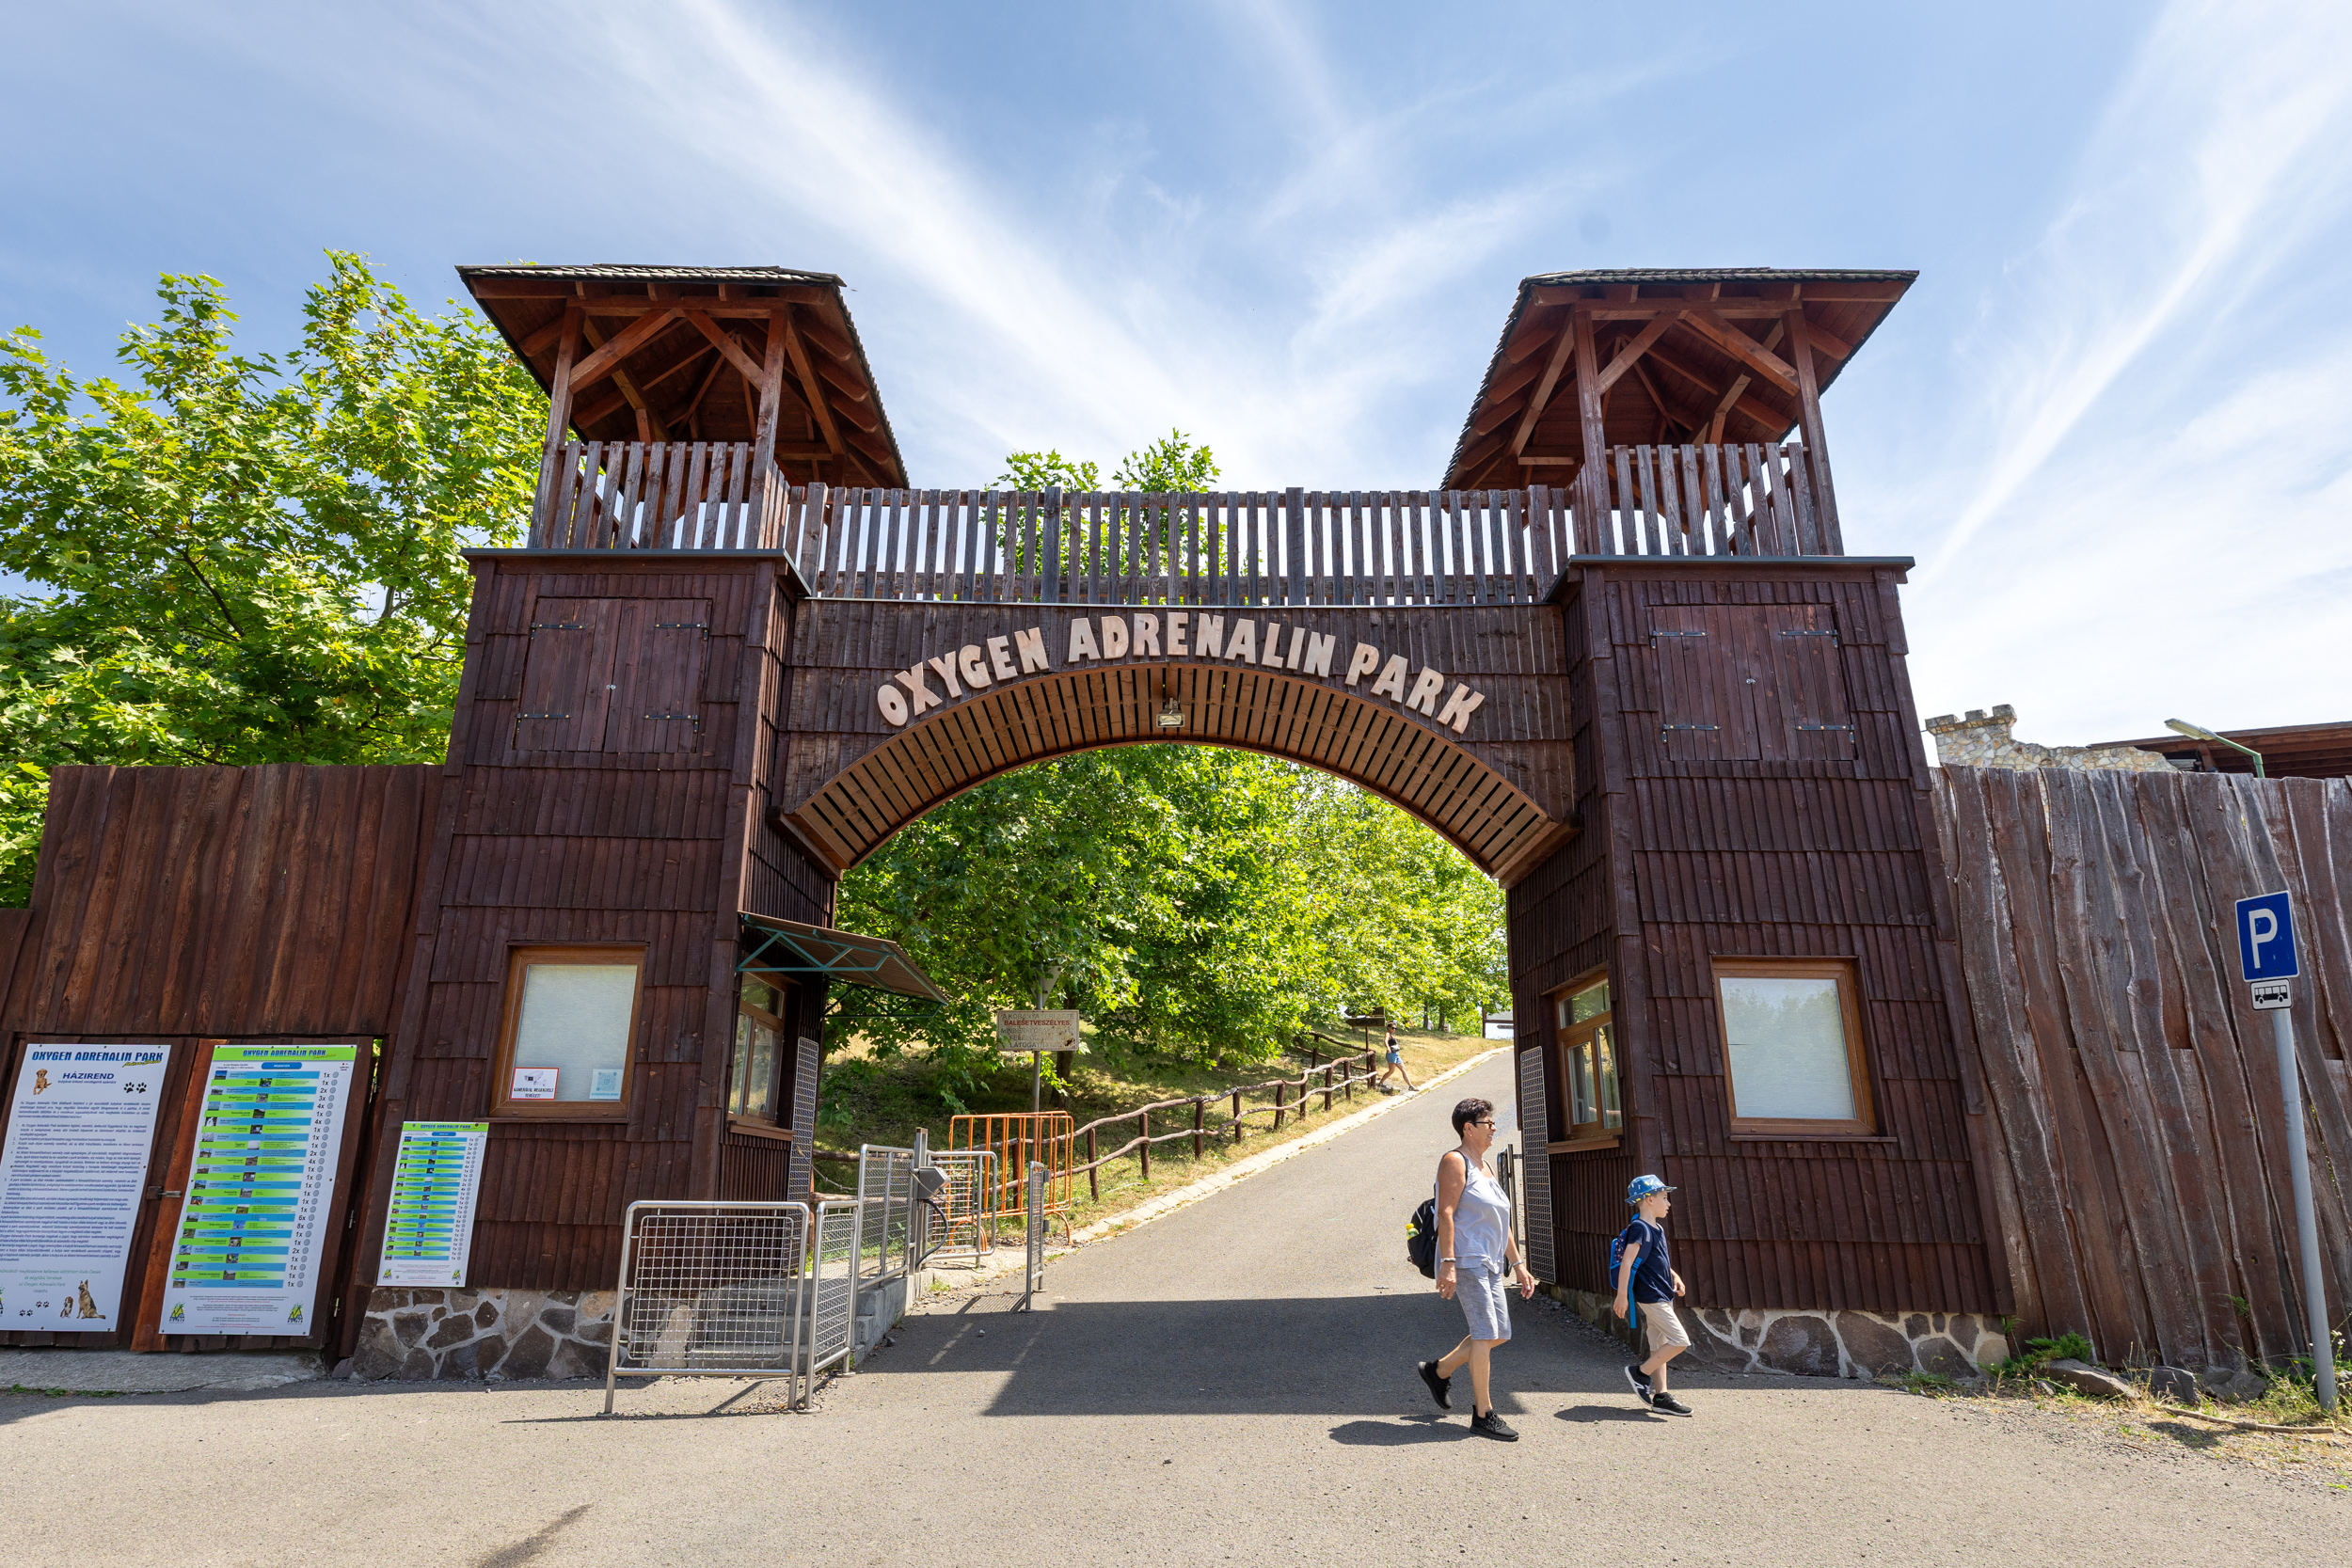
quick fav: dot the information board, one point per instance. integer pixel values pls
(260, 1191)
(436, 1177)
(1057, 1029)
(81, 1129)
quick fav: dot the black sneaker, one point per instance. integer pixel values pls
(1640, 1384)
(1441, 1389)
(1668, 1404)
(1492, 1425)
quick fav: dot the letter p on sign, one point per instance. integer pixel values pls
(2265, 938)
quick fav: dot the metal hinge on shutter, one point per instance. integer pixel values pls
(1664, 728)
(1655, 634)
(520, 717)
(538, 626)
(1831, 635)
(1825, 726)
(703, 627)
(693, 719)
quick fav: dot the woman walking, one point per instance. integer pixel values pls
(1478, 1260)
(1397, 1065)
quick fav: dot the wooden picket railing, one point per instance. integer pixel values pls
(1712, 500)
(1232, 548)
(657, 496)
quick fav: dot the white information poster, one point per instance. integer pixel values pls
(81, 1127)
(261, 1191)
(435, 1177)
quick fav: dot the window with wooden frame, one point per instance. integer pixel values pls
(1793, 1060)
(1591, 1096)
(564, 1046)
(755, 1076)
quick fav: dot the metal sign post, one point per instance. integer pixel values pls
(2266, 957)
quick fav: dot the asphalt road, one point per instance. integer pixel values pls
(1230, 1383)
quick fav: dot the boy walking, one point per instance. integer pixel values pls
(1646, 1273)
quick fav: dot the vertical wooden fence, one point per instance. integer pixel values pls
(2132, 1092)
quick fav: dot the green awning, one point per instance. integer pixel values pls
(789, 947)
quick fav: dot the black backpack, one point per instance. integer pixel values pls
(1421, 1237)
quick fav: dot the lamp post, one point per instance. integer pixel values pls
(2198, 732)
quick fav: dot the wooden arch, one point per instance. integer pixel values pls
(1407, 763)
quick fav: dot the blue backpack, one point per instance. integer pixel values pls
(1616, 1262)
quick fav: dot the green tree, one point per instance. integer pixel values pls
(249, 558)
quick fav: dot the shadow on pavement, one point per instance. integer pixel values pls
(1399, 1431)
(1318, 1355)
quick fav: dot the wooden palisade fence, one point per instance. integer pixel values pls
(2136, 1161)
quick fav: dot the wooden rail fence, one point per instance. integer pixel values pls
(1229, 1126)
(2137, 1159)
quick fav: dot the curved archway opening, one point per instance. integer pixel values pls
(1441, 783)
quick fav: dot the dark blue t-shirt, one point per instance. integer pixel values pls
(1654, 1273)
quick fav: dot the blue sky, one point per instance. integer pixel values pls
(2111, 421)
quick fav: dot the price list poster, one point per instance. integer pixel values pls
(260, 1187)
(435, 1177)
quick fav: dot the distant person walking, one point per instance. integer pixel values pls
(1646, 1273)
(1397, 1065)
(1477, 1261)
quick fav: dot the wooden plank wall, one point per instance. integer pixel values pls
(229, 902)
(179, 905)
(1564, 920)
(2138, 1173)
(1690, 859)
(537, 847)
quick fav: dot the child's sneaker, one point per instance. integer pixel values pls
(1668, 1404)
(1492, 1425)
(1640, 1384)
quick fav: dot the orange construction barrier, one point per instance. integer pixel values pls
(1016, 1138)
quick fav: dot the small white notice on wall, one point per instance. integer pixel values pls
(81, 1127)
(605, 1084)
(533, 1083)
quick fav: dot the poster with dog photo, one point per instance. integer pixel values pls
(81, 1128)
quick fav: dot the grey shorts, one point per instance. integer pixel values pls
(1664, 1328)
(1484, 1289)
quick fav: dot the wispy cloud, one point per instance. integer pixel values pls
(2219, 135)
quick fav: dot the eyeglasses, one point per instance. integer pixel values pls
(1483, 1121)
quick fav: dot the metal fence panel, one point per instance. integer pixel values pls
(969, 1202)
(832, 1298)
(1033, 1278)
(711, 1288)
(885, 1184)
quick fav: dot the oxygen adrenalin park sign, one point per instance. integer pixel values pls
(1195, 635)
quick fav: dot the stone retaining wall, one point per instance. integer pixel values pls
(1825, 1344)
(422, 1335)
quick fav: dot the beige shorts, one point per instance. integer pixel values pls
(1664, 1328)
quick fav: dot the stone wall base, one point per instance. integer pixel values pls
(1820, 1343)
(423, 1335)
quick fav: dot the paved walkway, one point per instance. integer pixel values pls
(1230, 1383)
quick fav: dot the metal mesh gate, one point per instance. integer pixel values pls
(833, 1296)
(713, 1287)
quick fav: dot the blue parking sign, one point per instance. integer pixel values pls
(2265, 938)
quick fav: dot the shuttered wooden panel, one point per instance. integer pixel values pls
(567, 676)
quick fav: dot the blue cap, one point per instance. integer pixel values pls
(1642, 1187)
